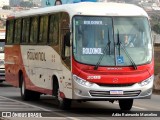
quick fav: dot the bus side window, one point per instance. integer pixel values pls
(10, 25)
(65, 34)
(34, 30)
(54, 31)
(65, 38)
(43, 29)
(25, 30)
(17, 34)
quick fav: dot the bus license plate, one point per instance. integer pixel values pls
(116, 92)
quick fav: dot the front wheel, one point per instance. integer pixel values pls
(64, 103)
(126, 104)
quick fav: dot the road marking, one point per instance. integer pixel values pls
(140, 108)
(34, 106)
(73, 118)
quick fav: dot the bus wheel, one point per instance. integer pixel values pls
(27, 94)
(126, 104)
(24, 93)
(35, 96)
(64, 103)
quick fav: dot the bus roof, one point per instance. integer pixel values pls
(89, 8)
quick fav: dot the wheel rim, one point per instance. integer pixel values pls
(59, 96)
(23, 89)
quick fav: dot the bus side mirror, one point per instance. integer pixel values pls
(66, 46)
(67, 39)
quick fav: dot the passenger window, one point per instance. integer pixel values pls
(25, 30)
(54, 29)
(43, 35)
(34, 30)
(17, 33)
(10, 25)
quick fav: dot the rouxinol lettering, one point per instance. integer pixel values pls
(92, 51)
(36, 56)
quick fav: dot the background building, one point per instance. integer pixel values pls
(47, 3)
(14, 3)
(37, 2)
(4, 2)
(3, 15)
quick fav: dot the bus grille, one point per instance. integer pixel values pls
(2, 72)
(107, 94)
(115, 85)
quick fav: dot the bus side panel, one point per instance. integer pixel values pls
(37, 73)
(41, 63)
(12, 64)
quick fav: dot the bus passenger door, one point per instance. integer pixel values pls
(66, 54)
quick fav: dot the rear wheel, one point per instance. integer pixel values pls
(126, 104)
(24, 93)
(63, 103)
(27, 94)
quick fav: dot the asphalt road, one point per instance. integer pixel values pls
(10, 100)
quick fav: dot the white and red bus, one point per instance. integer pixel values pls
(78, 52)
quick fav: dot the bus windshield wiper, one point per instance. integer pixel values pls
(130, 58)
(119, 44)
(109, 43)
(104, 51)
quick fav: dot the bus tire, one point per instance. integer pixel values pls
(64, 103)
(25, 95)
(35, 96)
(126, 104)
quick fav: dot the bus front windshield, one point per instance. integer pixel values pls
(111, 41)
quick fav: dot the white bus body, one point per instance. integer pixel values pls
(38, 65)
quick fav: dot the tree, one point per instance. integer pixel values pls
(155, 23)
(6, 7)
(156, 28)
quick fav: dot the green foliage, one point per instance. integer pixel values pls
(155, 23)
(6, 7)
(156, 28)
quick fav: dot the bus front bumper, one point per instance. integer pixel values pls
(92, 91)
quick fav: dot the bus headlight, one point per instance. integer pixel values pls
(82, 81)
(147, 81)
